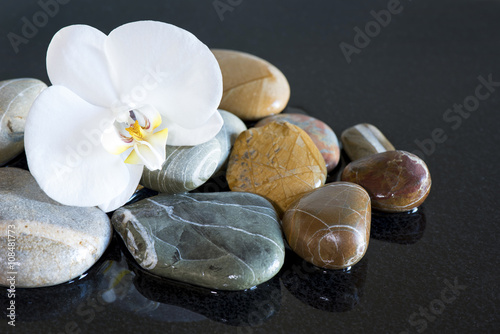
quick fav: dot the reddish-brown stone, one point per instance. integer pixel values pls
(397, 181)
(330, 226)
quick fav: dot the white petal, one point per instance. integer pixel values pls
(145, 154)
(135, 176)
(64, 151)
(149, 118)
(114, 142)
(167, 67)
(76, 60)
(179, 136)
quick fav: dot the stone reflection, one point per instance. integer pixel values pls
(401, 228)
(251, 307)
(117, 291)
(327, 290)
(59, 301)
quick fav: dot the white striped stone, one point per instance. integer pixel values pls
(185, 168)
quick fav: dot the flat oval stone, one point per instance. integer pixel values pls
(185, 168)
(363, 140)
(330, 226)
(321, 134)
(54, 243)
(253, 88)
(278, 161)
(227, 241)
(16, 98)
(397, 181)
(231, 129)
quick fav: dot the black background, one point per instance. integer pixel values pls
(427, 59)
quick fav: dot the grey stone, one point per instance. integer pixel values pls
(226, 241)
(231, 129)
(185, 168)
(53, 243)
(16, 98)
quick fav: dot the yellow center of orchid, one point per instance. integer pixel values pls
(148, 146)
(135, 130)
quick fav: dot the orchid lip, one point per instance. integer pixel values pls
(134, 130)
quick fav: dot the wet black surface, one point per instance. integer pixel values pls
(432, 271)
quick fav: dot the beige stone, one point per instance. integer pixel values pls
(253, 88)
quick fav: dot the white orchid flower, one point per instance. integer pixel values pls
(115, 101)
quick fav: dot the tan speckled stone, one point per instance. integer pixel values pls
(253, 88)
(53, 243)
(16, 98)
(278, 161)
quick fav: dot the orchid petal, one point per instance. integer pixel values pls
(149, 118)
(179, 136)
(76, 60)
(166, 67)
(114, 142)
(158, 139)
(135, 172)
(64, 151)
(144, 153)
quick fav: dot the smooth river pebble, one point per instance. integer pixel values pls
(321, 134)
(231, 129)
(397, 181)
(253, 88)
(330, 226)
(54, 243)
(227, 241)
(278, 161)
(363, 140)
(185, 168)
(16, 98)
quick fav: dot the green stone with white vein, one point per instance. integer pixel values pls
(225, 241)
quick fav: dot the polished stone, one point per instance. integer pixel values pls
(321, 134)
(16, 98)
(185, 168)
(363, 140)
(330, 226)
(278, 161)
(226, 241)
(231, 129)
(397, 181)
(253, 88)
(54, 243)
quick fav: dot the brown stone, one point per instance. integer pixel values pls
(363, 140)
(330, 226)
(253, 88)
(278, 161)
(397, 181)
